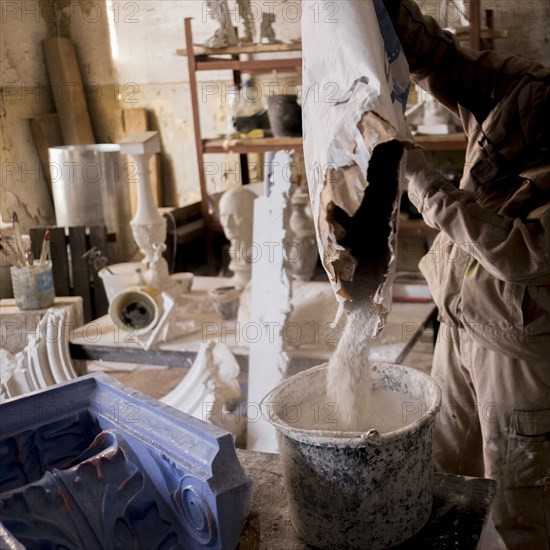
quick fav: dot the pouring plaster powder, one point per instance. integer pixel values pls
(348, 377)
(349, 381)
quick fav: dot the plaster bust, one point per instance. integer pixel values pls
(236, 217)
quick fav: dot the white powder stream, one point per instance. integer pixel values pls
(349, 372)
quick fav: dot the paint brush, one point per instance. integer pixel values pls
(45, 250)
(18, 239)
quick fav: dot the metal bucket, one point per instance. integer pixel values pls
(357, 490)
(90, 187)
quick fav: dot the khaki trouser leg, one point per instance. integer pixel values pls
(510, 431)
(457, 430)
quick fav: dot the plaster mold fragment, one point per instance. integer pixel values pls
(45, 361)
(225, 34)
(210, 388)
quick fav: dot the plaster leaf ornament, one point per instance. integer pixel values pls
(225, 35)
(15, 378)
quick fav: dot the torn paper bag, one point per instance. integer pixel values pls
(355, 89)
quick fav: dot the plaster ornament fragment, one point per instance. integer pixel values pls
(267, 33)
(225, 34)
(211, 388)
(15, 376)
(303, 254)
(45, 361)
(226, 301)
(245, 13)
(236, 217)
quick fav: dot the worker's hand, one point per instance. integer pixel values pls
(417, 172)
(416, 161)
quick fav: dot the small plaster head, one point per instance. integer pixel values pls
(236, 214)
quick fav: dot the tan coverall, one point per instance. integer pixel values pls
(489, 272)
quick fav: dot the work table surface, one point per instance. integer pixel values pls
(101, 340)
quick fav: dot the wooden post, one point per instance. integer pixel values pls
(192, 67)
(475, 24)
(68, 91)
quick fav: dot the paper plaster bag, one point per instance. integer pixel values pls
(355, 88)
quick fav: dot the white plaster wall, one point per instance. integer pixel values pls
(528, 25)
(24, 94)
(526, 21)
(147, 40)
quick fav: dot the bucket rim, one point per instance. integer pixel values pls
(350, 439)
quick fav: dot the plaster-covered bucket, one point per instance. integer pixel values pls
(357, 490)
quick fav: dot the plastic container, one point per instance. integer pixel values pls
(33, 286)
(356, 490)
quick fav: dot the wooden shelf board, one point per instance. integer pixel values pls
(252, 65)
(251, 49)
(451, 142)
(262, 145)
(486, 34)
(444, 142)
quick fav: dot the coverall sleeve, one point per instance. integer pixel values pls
(511, 249)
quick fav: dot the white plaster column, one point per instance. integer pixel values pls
(148, 225)
(271, 308)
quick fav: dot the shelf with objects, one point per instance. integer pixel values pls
(252, 59)
(239, 59)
